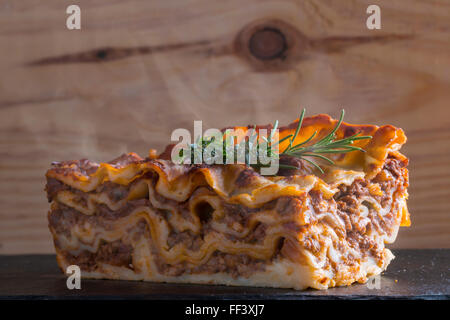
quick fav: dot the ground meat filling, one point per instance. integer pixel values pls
(63, 218)
(236, 265)
(54, 186)
(348, 207)
(114, 253)
(240, 265)
(190, 240)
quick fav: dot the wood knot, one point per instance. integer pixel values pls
(267, 44)
(270, 44)
(102, 54)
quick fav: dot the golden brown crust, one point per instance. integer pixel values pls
(385, 139)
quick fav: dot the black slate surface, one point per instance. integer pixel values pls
(414, 274)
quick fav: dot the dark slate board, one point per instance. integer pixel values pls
(414, 274)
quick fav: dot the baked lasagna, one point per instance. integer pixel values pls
(150, 219)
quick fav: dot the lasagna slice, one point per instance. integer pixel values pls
(149, 219)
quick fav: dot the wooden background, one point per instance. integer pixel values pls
(139, 69)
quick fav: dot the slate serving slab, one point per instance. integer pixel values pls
(414, 274)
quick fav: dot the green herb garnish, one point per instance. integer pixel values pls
(303, 151)
(326, 145)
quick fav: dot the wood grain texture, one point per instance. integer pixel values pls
(139, 69)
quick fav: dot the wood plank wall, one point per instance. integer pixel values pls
(139, 69)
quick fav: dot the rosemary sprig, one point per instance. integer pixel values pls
(326, 145)
(303, 151)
